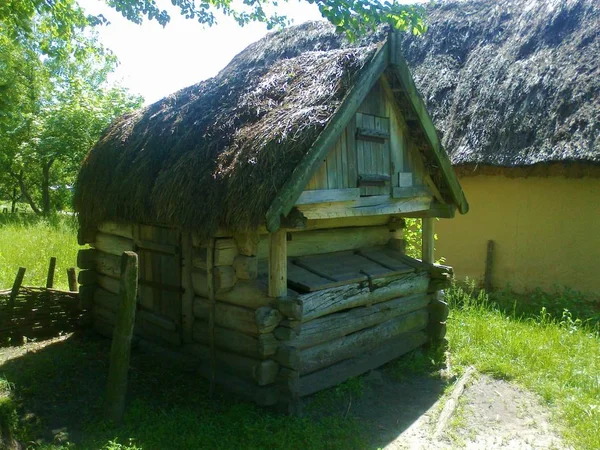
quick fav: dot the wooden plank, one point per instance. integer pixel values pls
(340, 165)
(114, 245)
(321, 303)
(278, 263)
(246, 267)
(287, 196)
(86, 258)
(116, 228)
(331, 352)
(340, 324)
(350, 134)
(51, 270)
(332, 169)
(328, 195)
(16, 286)
(340, 372)
(107, 264)
(372, 134)
(247, 242)
(248, 293)
(261, 346)
(410, 192)
(108, 283)
(427, 240)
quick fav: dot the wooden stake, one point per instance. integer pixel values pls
(487, 279)
(278, 263)
(51, 268)
(427, 240)
(120, 350)
(72, 277)
(210, 279)
(16, 287)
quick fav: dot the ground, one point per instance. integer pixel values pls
(392, 413)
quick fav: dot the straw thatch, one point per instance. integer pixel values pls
(217, 153)
(513, 82)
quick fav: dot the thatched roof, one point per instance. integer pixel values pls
(512, 82)
(221, 152)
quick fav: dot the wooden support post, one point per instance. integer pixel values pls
(487, 279)
(278, 263)
(210, 281)
(72, 277)
(51, 269)
(427, 240)
(120, 350)
(16, 286)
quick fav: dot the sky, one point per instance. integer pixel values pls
(157, 61)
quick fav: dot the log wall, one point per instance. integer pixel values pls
(274, 350)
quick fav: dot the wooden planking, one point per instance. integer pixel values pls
(117, 228)
(351, 152)
(328, 195)
(428, 240)
(337, 373)
(278, 263)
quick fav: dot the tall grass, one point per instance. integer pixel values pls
(556, 357)
(29, 241)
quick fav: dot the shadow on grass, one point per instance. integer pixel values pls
(59, 391)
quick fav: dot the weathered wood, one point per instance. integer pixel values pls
(247, 293)
(105, 299)
(121, 344)
(261, 346)
(435, 210)
(108, 283)
(114, 245)
(328, 195)
(187, 299)
(246, 267)
(290, 307)
(295, 325)
(333, 240)
(263, 372)
(107, 264)
(409, 192)
(16, 286)
(72, 279)
(372, 134)
(288, 383)
(247, 243)
(333, 326)
(199, 258)
(288, 195)
(107, 315)
(150, 330)
(224, 278)
(295, 220)
(452, 402)
(225, 252)
(323, 355)
(278, 263)
(156, 320)
(367, 206)
(117, 228)
(86, 277)
(328, 301)
(86, 236)
(86, 258)
(346, 222)
(157, 247)
(285, 334)
(249, 321)
(489, 264)
(428, 241)
(340, 372)
(86, 295)
(211, 306)
(51, 270)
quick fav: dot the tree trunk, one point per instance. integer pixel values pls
(25, 193)
(13, 203)
(46, 187)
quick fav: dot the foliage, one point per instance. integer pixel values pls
(556, 357)
(29, 241)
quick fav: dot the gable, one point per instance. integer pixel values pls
(373, 162)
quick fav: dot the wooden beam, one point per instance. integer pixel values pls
(328, 195)
(427, 240)
(187, 299)
(290, 192)
(278, 263)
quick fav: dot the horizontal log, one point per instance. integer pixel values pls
(86, 295)
(105, 314)
(263, 372)
(108, 283)
(156, 320)
(247, 293)
(323, 355)
(86, 258)
(317, 242)
(107, 264)
(333, 326)
(224, 277)
(167, 249)
(246, 267)
(115, 245)
(153, 332)
(340, 372)
(106, 299)
(261, 346)
(86, 277)
(285, 334)
(246, 320)
(117, 228)
(320, 303)
(247, 243)
(290, 307)
(328, 195)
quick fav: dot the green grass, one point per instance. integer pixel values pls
(29, 241)
(556, 357)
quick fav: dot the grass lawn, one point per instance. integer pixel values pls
(29, 241)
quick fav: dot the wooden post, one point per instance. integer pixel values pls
(51, 268)
(427, 240)
(210, 280)
(72, 277)
(120, 350)
(278, 263)
(16, 286)
(487, 279)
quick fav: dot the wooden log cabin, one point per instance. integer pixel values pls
(267, 208)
